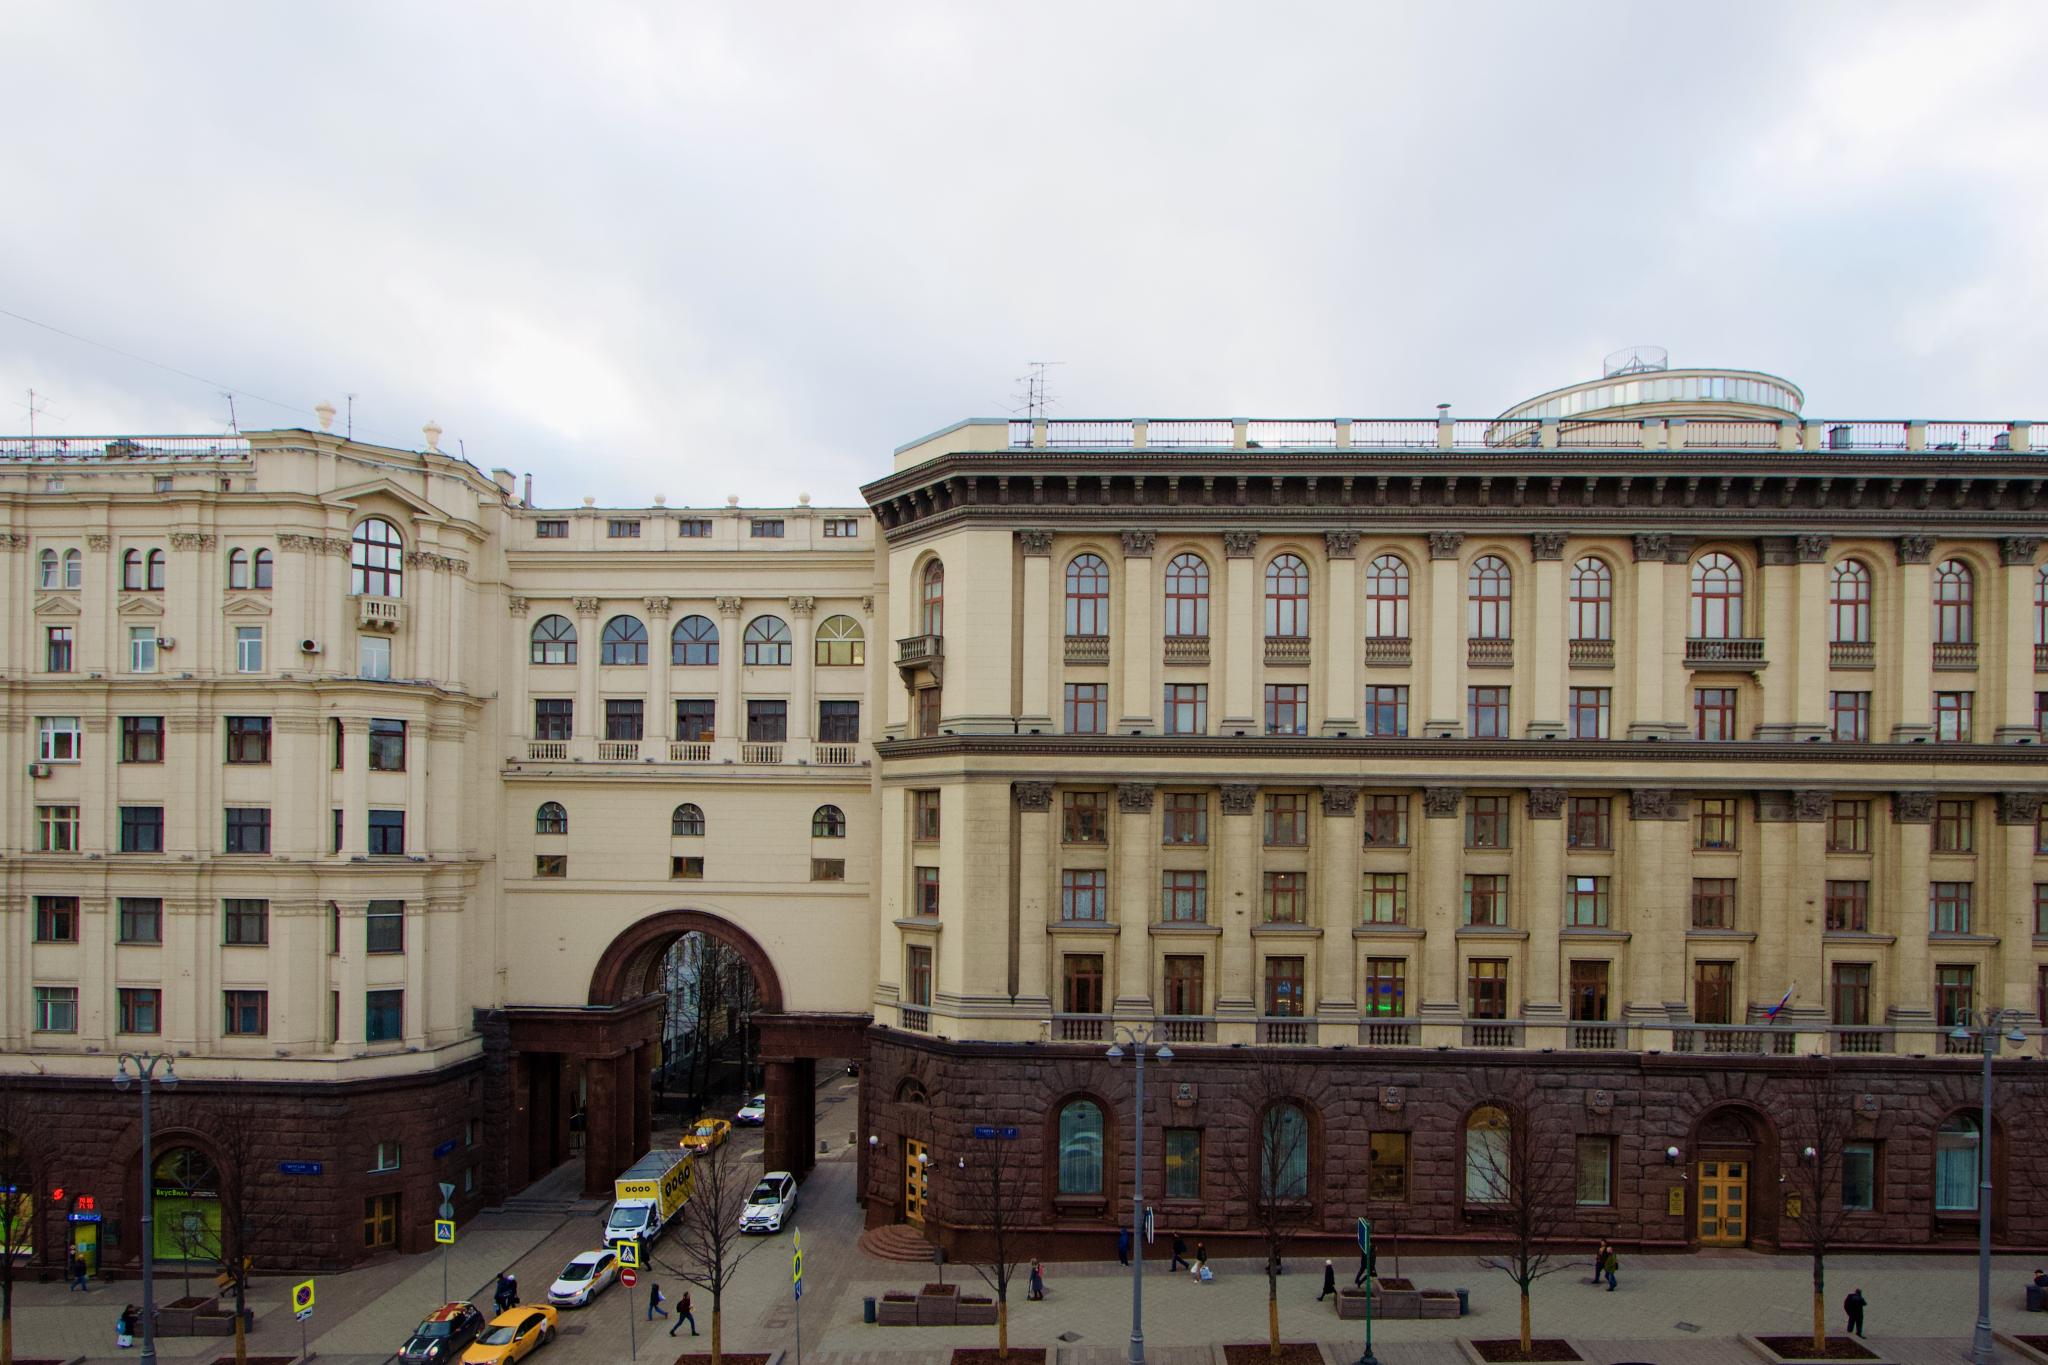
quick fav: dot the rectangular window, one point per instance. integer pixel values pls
(1386, 898)
(56, 829)
(1713, 713)
(1286, 988)
(1187, 709)
(693, 528)
(553, 717)
(337, 816)
(1591, 708)
(924, 885)
(1486, 712)
(1284, 897)
(1186, 819)
(1955, 995)
(624, 718)
(248, 829)
(1849, 827)
(1387, 1176)
(1385, 821)
(1286, 820)
(248, 739)
(141, 1009)
(917, 977)
(57, 649)
(57, 739)
(551, 529)
(1713, 992)
(1084, 895)
(1184, 988)
(384, 927)
(621, 528)
(1955, 827)
(141, 919)
(1596, 1172)
(1286, 708)
(1849, 994)
(686, 867)
(696, 720)
(1713, 902)
(828, 869)
(142, 649)
(551, 865)
(1386, 712)
(1183, 1163)
(56, 919)
(1386, 987)
(142, 829)
(1586, 903)
(1486, 988)
(373, 658)
(1849, 717)
(1486, 822)
(248, 649)
(56, 1009)
(928, 711)
(1084, 817)
(387, 1157)
(387, 746)
(924, 816)
(1486, 899)
(1081, 983)
(245, 923)
(1588, 1000)
(380, 1222)
(1087, 708)
(142, 739)
(1183, 897)
(839, 722)
(767, 722)
(1714, 822)
(383, 1016)
(1848, 907)
(1948, 907)
(1859, 1177)
(247, 1013)
(1952, 717)
(2041, 909)
(1590, 822)
(841, 528)
(765, 528)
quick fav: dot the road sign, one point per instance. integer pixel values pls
(629, 1277)
(796, 1260)
(301, 1167)
(629, 1254)
(1148, 1226)
(1364, 1236)
(987, 1131)
(447, 1190)
(302, 1299)
(444, 1230)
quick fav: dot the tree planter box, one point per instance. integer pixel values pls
(1435, 1303)
(976, 1312)
(938, 1310)
(220, 1323)
(175, 1318)
(896, 1313)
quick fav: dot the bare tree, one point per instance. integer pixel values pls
(707, 1246)
(1822, 1123)
(1526, 1181)
(1273, 1179)
(18, 1130)
(234, 1123)
(993, 1194)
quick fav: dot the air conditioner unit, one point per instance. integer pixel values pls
(166, 642)
(38, 770)
(309, 646)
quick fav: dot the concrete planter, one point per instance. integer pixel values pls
(1437, 1303)
(938, 1310)
(896, 1313)
(976, 1313)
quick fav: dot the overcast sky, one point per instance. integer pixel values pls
(691, 250)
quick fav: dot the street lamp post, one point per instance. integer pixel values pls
(1138, 1039)
(144, 1067)
(1986, 1030)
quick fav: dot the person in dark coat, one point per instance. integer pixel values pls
(655, 1301)
(1037, 1278)
(683, 1315)
(1180, 1253)
(1329, 1280)
(508, 1291)
(1123, 1246)
(79, 1270)
(1853, 1306)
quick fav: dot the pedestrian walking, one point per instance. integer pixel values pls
(1123, 1246)
(1329, 1280)
(124, 1327)
(683, 1315)
(1613, 1263)
(79, 1270)
(1853, 1306)
(1180, 1253)
(1599, 1264)
(1037, 1278)
(508, 1291)
(655, 1302)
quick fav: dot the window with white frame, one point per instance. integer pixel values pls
(248, 649)
(57, 739)
(142, 649)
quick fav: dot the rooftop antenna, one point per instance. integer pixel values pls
(351, 429)
(234, 428)
(1036, 397)
(32, 411)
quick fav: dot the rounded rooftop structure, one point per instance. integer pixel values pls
(1639, 382)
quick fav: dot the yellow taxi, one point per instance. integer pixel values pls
(706, 1133)
(513, 1335)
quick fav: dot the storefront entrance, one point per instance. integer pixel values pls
(187, 1212)
(1723, 1203)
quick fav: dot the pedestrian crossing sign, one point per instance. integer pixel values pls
(629, 1255)
(302, 1298)
(444, 1230)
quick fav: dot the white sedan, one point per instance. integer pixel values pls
(584, 1278)
(771, 1203)
(753, 1112)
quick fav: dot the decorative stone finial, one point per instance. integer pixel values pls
(803, 499)
(324, 410)
(432, 431)
(661, 499)
(732, 500)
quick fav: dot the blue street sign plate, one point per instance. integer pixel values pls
(985, 1131)
(81, 1218)
(444, 1149)
(301, 1167)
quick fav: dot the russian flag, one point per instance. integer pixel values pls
(1772, 1013)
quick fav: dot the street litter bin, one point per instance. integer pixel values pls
(867, 1309)
(1464, 1302)
(2037, 1299)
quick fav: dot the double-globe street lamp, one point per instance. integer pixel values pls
(142, 1066)
(1985, 1030)
(1138, 1041)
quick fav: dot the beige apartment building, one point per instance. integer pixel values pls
(1606, 765)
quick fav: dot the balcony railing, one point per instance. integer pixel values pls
(1592, 653)
(1493, 1033)
(1491, 653)
(690, 751)
(1387, 651)
(1287, 651)
(547, 750)
(835, 755)
(1955, 656)
(1701, 653)
(1425, 433)
(1079, 1028)
(915, 1019)
(1735, 1040)
(1595, 1037)
(1180, 1028)
(1187, 649)
(1859, 1040)
(760, 753)
(618, 751)
(380, 613)
(1286, 1032)
(920, 649)
(1386, 1032)
(1852, 654)
(1087, 649)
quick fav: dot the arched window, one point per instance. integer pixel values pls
(1849, 603)
(554, 640)
(828, 822)
(694, 642)
(1187, 596)
(1287, 598)
(1386, 598)
(187, 1202)
(376, 560)
(263, 564)
(765, 641)
(238, 568)
(1489, 1174)
(2041, 605)
(1592, 600)
(1716, 598)
(687, 819)
(1080, 1147)
(156, 571)
(1087, 596)
(551, 818)
(840, 642)
(932, 599)
(1955, 1165)
(1283, 1153)
(74, 569)
(48, 576)
(131, 571)
(1955, 617)
(622, 641)
(1489, 599)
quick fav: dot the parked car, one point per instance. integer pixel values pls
(513, 1335)
(853, 1068)
(771, 1204)
(706, 1133)
(754, 1112)
(442, 1337)
(584, 1278)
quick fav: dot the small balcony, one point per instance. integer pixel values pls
(1739, 654)
(1087, 649)
(1594, 1037)
(918, 650)
(1286, 1032)
(618, 751)
(760, 753)
(1387, 651)
(1592, 653)
(689, 751)
(547, 751)
(380, 613)
(835, 755)
(1079, 1028)
(1852, 654)
(1287, 651)
(1490, 653)
(915, 1019)
(1182, 1028)
(1955, 656)
(1187, 649)
(1386, 1032)
(1493, 1034)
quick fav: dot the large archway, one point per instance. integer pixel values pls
(628, 969)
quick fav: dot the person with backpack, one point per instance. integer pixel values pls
(683, 1315)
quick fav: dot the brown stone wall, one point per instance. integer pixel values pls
(937, 1092)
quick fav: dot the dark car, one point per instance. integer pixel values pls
(443, 1336)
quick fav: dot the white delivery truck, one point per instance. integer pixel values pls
(649, 1193)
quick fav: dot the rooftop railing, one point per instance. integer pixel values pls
(24, 448)
(1655, 433)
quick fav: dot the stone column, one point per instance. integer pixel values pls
(1810, 628)
(1244, 645)
(660, 654)
(1342, 634)
(1914, 655)
(1650, 658)
(780, 1137)
(1544, 656)
(1140, 644)
(731, 724)
(1654, 874)
(1910, 992)
(297, 830)
(351, 974)
(1791, 863)
(803, 665)
(355, 787)
(1543, 899)
(418, 949)
(1436, 904)
(1040, 669)
(2011, 903)
(518, 721)
(589, 724)
(2015, 643)
(1134, 858)
(1444, 637)
(1339, 892)
(1035, 857)
(1234, 902)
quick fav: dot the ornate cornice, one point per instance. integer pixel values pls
(95, 541)
(1138, 544)
(1915, 549)
(731, 606)
(802, 606)
(2019, 808)
(516, 605)
(428, 559)
(657, 608)
(200, 540)
(1134, 797)
(13, 540)
(1651, 546)
(1546, 803)
(1912, 808)
(2018, 549)
(1340, 800)
(1655, 803)
(1035, 542)
(587, 606)
(1238, 798)
(1442, 803)
(333, 545)
(1811, 549)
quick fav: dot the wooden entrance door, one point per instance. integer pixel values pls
(916, 1180)
(1723, 1203)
